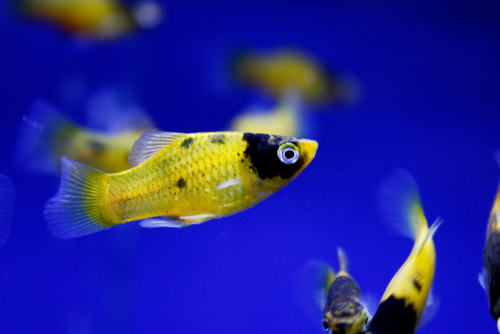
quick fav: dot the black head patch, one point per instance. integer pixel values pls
(262, 150)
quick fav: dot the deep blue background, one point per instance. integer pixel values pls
(430, 74)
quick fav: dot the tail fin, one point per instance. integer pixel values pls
(7, 193)
(401, 206)
(79, 207)
(343, 261)
(42, 130)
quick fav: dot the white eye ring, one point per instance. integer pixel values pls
(288, 154)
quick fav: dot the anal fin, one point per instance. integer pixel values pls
(164, 221)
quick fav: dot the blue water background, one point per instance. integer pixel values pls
(430, 74)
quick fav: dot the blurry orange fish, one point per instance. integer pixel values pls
(47, 135)
(98, 20)
(288, 71)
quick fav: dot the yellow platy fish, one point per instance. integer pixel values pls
(286, 71)
(408, 294)
(285, 120)
(490, 277)
(177, 180)
(7, 194)
(345, 311)
(46, 136)
(98, 20)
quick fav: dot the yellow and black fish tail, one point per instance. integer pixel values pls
(79, 207)
(7, 194)
(43, 130)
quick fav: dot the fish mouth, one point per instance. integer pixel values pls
(309, 148)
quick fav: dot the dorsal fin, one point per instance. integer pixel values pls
(429, 234)
(149, 144)
(343, 261)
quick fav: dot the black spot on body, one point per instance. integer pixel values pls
(96, 146)
(393, 316)
(181, 183)
(417, 285)
(218, 139)
(262, 150)
(187, 142)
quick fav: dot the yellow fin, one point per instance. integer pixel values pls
(150, 144)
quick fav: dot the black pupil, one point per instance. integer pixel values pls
(289, 154)
(325, 324)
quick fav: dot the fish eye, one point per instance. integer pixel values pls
(326, 325)
(288, 153)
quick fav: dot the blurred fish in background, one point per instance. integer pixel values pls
(490, 276)
(47, 135)
(337, 297)
(177, 180)
(7, 194)
(96, 20)
(284, 71)
(401, 310)
(286, 118)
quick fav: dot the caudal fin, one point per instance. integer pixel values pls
(7, 194)
(42, 130)
(79, 207)
(401, 206)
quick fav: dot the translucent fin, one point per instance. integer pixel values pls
(109, 111)
(429, 312)
(228, 183)
(196, 219)
(149, 144)
(430, 233)
(162, 222)
(481, 281)
(311, 289)
(40, 131)
(79, 206)
(370, 302)
(343, 261)
(400, 204)
(7, 194)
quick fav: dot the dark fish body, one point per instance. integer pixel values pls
(393, 316)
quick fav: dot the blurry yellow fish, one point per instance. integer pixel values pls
(345, 311)
(286, 71)
(177, 180)
(46, 136)
(490, 278)
(7, 193)
(407, 295)
(285, 120)
(98, 20)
